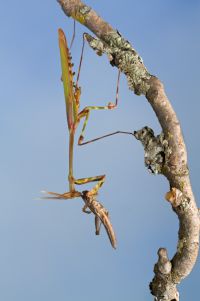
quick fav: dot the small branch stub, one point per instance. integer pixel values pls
(161, 286)
(175, 197)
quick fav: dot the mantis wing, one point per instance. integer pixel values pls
(67, 78)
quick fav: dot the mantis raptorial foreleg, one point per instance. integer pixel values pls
(99, 179)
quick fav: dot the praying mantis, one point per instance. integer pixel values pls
(72, 93)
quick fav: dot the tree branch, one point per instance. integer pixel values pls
(165, 154)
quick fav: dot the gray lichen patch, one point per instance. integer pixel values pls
(84, 10)
(185, 204)
(96, 44)
(124, 56)
(156, 149)
(114, 40)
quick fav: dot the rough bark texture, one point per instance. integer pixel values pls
(165, 154)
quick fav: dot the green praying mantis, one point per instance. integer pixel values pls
(72, 93)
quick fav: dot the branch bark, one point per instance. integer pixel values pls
(165, 154)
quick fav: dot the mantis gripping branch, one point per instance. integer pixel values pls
(72, 94)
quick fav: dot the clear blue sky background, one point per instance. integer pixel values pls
(48, 249)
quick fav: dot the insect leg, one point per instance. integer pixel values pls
(86, 112)
(97, 224)
(99, 179)
(73, 36)
(81, 59)
(60, 196)
(84, 209)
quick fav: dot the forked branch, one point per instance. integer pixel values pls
(168, 273)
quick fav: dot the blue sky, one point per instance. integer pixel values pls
(48, 248)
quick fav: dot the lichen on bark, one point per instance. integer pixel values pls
(124, 57)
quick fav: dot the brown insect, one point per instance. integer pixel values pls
(94, 206)
(101, 215)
